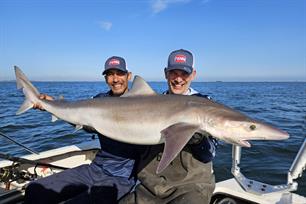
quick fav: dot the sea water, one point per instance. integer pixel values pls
(278, 103)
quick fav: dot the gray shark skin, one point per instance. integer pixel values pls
(143, 117)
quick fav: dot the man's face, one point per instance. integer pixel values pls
(117, 81)
(179, 81)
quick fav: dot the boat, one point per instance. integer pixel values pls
(240, 189)
(17, 172)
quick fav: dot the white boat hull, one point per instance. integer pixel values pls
(228, 191)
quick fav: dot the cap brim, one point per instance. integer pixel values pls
(115, 68)
(183, 68)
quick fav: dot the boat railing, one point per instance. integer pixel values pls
(259, 188)
(298, 165)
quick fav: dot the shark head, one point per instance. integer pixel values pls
(239, 132)
(236, 128)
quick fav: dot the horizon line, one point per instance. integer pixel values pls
(215, 81)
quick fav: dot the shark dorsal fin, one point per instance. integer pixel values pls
(139, 88)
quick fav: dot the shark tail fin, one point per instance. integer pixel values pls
(30, 92)
(24, 107)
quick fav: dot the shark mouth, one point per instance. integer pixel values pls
(244, 143)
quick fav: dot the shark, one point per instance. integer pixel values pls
(141, 116)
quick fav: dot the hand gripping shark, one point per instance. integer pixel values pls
(143, 117)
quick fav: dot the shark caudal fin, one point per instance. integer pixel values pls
(30, 92)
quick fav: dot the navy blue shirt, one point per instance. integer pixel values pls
(116, 158)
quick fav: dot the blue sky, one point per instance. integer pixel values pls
(232, 40)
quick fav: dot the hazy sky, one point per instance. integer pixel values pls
(232, 40)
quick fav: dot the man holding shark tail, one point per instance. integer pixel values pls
(109, 176)
(189, 178)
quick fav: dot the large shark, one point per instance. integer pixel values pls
(143, 117)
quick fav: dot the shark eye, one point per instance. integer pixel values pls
(252, 127)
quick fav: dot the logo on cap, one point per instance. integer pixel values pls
(180, 58)
(114, 62)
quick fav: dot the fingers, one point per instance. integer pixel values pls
(46, 97)
(38, 106)
(43, 97)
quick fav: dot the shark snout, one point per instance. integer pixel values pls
(277, 134)
(284, 135)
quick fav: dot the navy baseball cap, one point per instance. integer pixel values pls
(180, 59)
(115, 62)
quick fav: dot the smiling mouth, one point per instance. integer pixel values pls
(177, 85)
(117, 85)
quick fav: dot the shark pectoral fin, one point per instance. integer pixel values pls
(24, 107)
(176, 137)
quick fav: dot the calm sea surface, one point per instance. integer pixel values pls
(280, 104)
